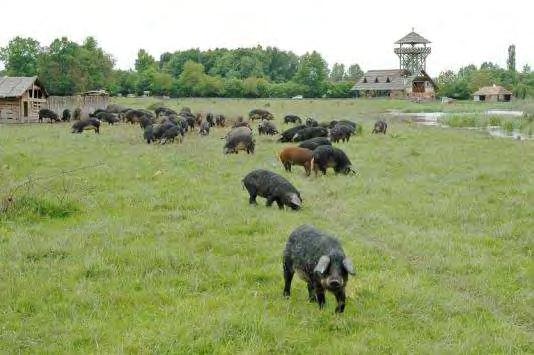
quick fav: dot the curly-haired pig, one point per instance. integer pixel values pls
(273, 187)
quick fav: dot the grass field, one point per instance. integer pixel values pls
(111, 245)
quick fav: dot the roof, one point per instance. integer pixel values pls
(95, 93)
(413, 38)
(16, 86)
(399, 79)
(492, 90)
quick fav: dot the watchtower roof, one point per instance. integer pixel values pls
(413, 38)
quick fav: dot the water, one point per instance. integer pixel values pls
(432, 119)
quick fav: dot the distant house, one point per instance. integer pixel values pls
(492, 93)
(395, 83)
(21, 98)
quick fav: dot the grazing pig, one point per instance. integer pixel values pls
(310, 122)
(77, 115)
(170, 134)
(380, 127)
(65, 117)
(46, 113)
(341, 132)
(326, 156)
(135, 116)
(313, 143)
(288, 134)
(204, 128)
(148, 134)
(292, 119)
(164, 111)
(267, 128)
(160, 129)
(241, 124)
(310, 132)
(114, 108)
(259, 114)
(108, 117)
(220, 120)
(273, 187)
(296, 156)
(320, 261)
(86, 124)
(239, 138)
(210, 120)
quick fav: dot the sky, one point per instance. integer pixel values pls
(462, 32)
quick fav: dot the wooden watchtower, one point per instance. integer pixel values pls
(412, 52)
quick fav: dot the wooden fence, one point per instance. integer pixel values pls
(87, 103)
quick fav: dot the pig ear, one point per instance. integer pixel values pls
(347, 264)
(322, 265)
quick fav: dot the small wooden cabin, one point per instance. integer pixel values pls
(21, 98)
(492, 93)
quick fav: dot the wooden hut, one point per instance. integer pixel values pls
(395, 83)
(492, 93)
(21, 98)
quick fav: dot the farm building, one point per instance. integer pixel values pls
(88, 102)
(21, 98)
(395, 83)
(409, 81)
(492, 93)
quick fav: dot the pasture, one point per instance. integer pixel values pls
(111, 245)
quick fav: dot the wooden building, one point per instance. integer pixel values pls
(395, 83)
(21, 98)
(88, 102)
(492, 93)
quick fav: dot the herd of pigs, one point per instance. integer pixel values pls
(316, 256)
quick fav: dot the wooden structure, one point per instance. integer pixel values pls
(21, 98)
(88, 102)
(412, 52)
(409, 81)
(396, 83)
(492, 93)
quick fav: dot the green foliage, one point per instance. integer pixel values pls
(312, 73)
(144, 61)
(337, 73)
(340, 89)
(20, 57)
(354, 73)
(29, 207)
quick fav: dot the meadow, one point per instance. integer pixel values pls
(110, 245)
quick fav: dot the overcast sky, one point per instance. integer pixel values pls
(461, 31)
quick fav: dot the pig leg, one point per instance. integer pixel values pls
(288, 276)
(307, 168)
(311, 293)
(270, 201)
(340, 298)
(319, 291)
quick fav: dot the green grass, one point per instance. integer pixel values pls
(155, 249)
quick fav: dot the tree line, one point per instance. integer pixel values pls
(67, 67)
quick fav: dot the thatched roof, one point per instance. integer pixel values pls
(391, 79)
(492, 90)
(16, 86)
(95, 93)
(413, 38)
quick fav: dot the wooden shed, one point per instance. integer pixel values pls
(492, 93)
(21, 98)
(395, 83)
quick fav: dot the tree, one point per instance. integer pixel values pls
(526, 69)
(511, 58)
(312, 72)
(21, 56)
(337, 73)
(144, 61)
(354, 73)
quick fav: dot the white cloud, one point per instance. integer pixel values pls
(462, 32)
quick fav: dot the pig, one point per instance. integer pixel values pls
(326, 156)
(86, 124)
(310, 122)
(239, 138)
(259, 114)
(267, 128)
(273, 187)
(220, 120)
(292, 119)
(77, 115)
(65, 117)
(288, 134)
(148, 134)
(320, 261)
(204, 128)
(341, 132)
(110, 118)
(380, 127)
(310, 132)
(164, 111)
(313, 143)
(170, 134)
(296, 156)
(46, 113)
(210, 120)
